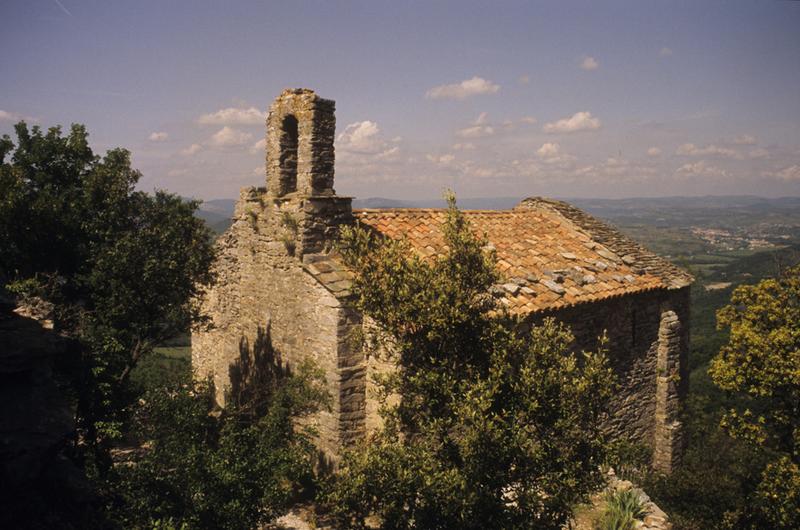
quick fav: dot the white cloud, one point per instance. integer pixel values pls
(475, 131)
(745, 139)
(464, 147)
(259, 146)
(467, 88)
(700, 169)
(361, 137)
(10, 116)
(549, 150)
(789, 174)
(15, 117)
(234, 116)
(158, 136)
(191, 150)
(580, 121)
(709, 150)
(388, 154)
(530, 120)
(759, 153)
(479, 128)
(665, 52)
(551, 154)
(654, 151)
(229, 137)
(443, 160)
(362, 149)
(589, 63)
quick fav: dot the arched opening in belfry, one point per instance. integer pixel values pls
(288, 157)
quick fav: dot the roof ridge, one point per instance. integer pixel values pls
(631, 252)
(431, 210)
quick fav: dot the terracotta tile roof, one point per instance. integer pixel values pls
(546, 259)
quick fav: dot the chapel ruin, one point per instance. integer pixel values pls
(280, 280)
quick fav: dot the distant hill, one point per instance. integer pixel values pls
(734, 211)
(217, 213)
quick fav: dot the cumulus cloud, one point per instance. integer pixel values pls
(158, 136)
(709, 150)
(700, 169)
(191, 150)
(549, 150)
(259, 146)
(530, 120)
(580, 121)
(230, 137)
(589, 63)
(234, 116)
(654, 151)
(665, 52)
(361, 145)
(745, 139)
(479, 128)
(360, 137)
(467, 88)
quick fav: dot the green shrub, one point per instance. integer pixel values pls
(623, 508)
(200, 467)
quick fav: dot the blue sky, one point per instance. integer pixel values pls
(568, 99)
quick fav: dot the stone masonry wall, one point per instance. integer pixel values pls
(262, 285)
(647, 346)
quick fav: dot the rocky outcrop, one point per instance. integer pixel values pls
(37, 481)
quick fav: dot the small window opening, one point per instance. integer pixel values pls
(288, 158)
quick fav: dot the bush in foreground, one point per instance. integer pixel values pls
(200, 467)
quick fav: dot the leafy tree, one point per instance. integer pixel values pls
(496, 428)
(121, 266)
(233, 469)
(761, 361)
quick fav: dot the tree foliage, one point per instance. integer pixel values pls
(204, 468)
(121, 266)
(496, 428)
(761, 361)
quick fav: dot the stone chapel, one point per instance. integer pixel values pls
(279, 279)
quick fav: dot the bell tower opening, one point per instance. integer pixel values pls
(300, 152)
(288, 154)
